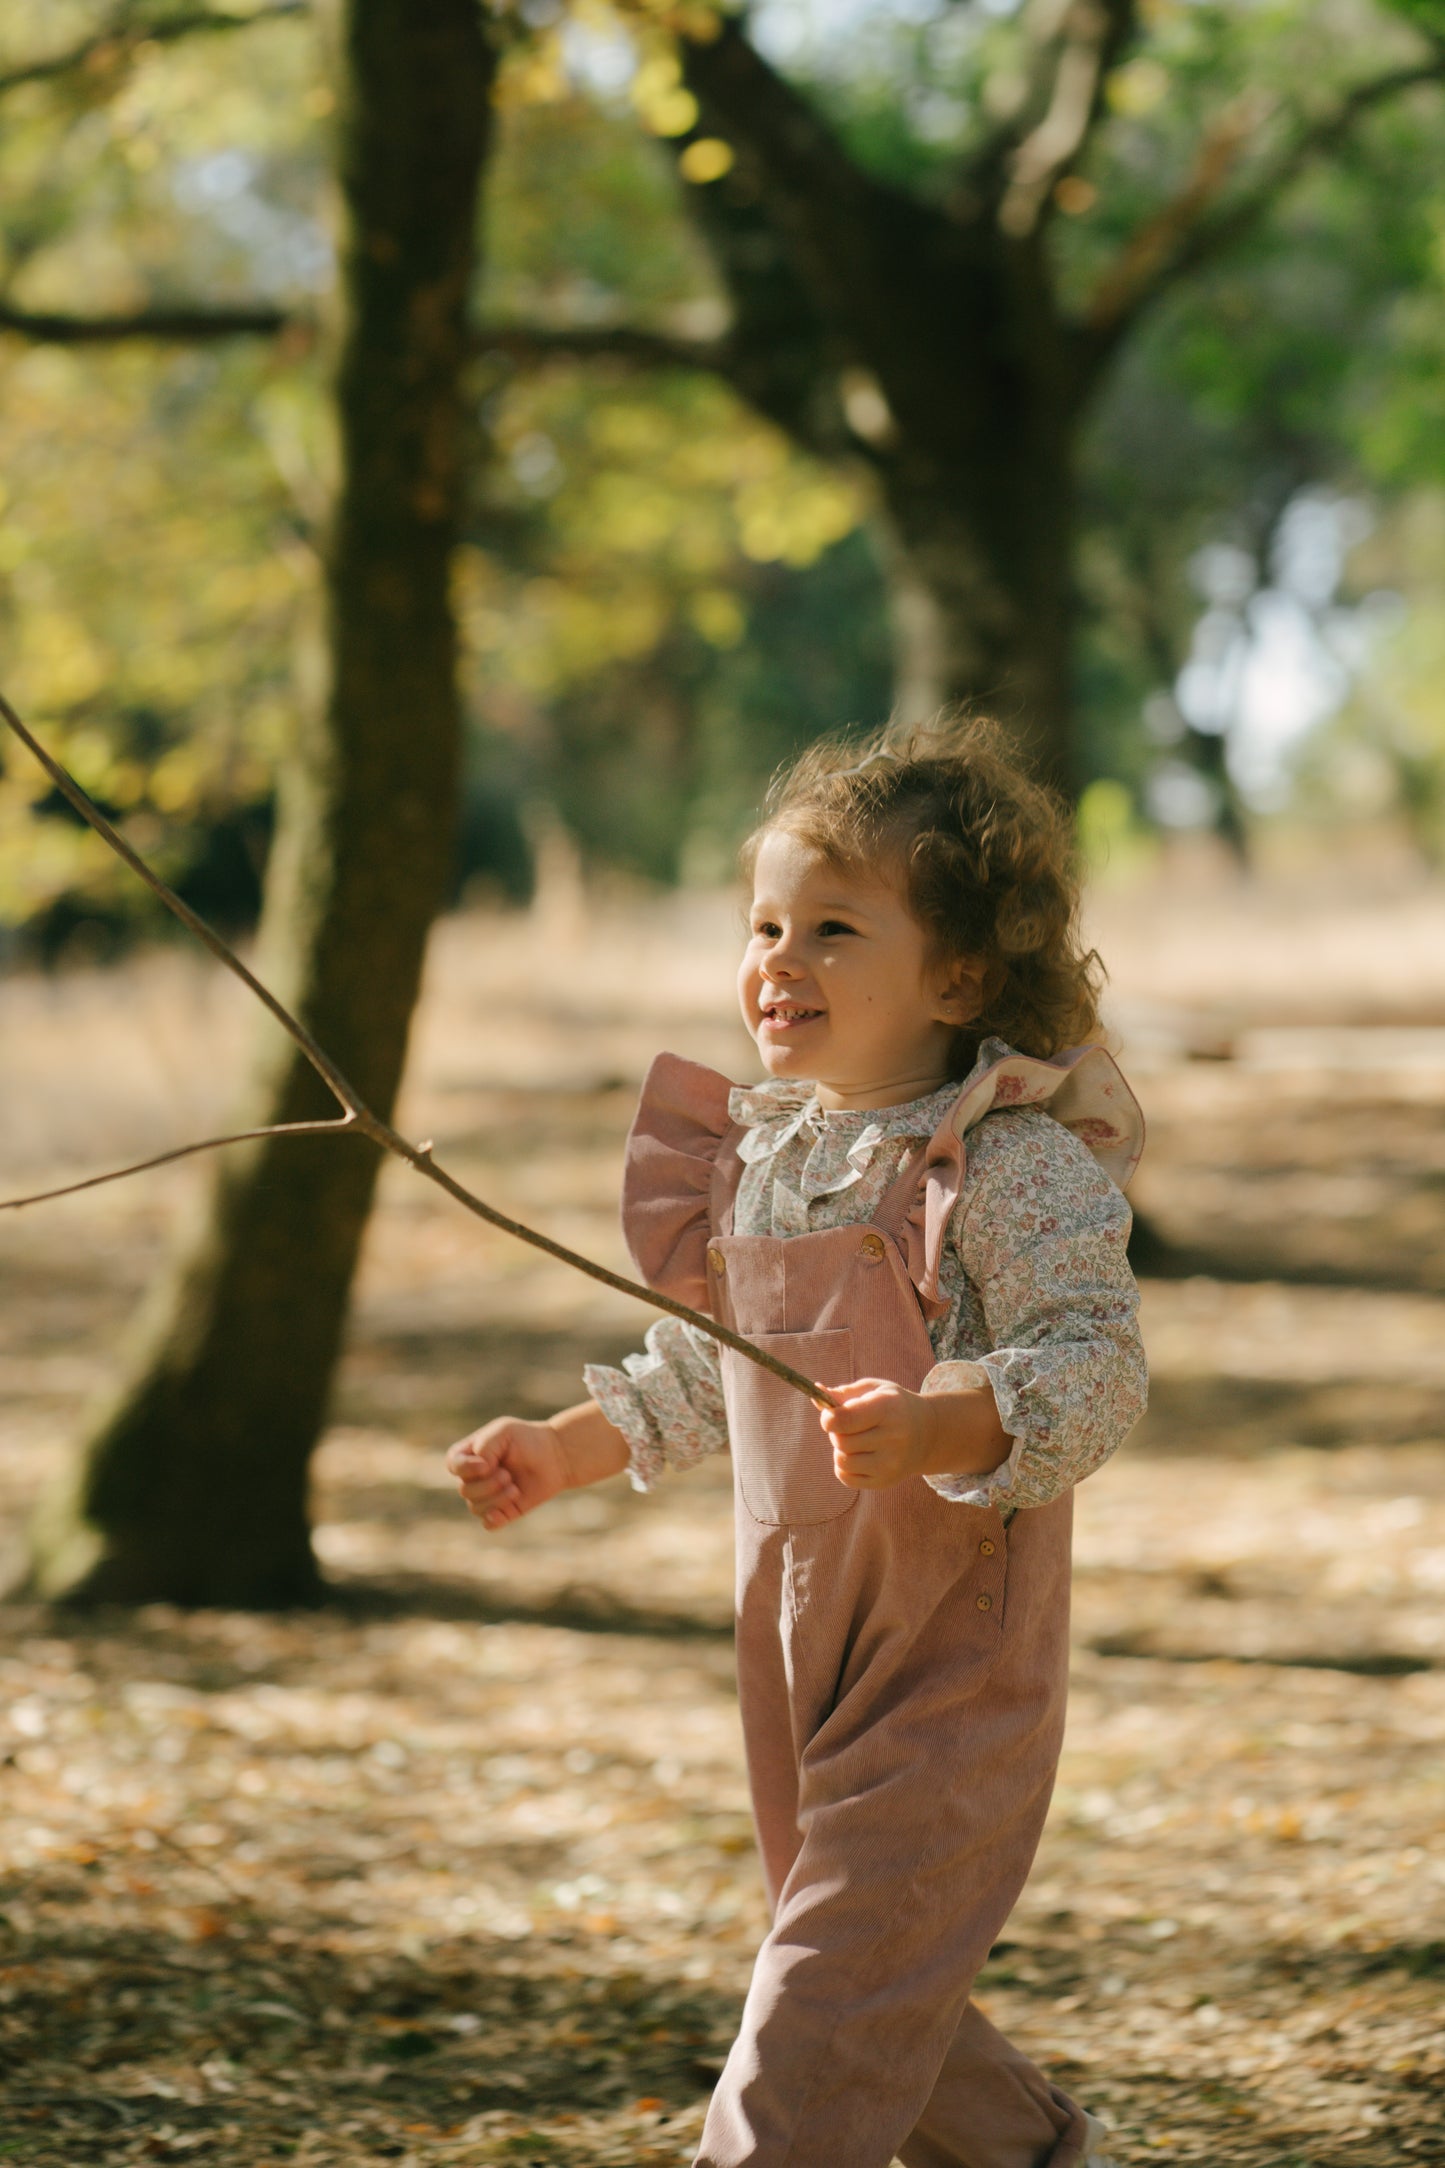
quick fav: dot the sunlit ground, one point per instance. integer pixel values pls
(460, 1870)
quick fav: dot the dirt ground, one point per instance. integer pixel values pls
(459, 1869)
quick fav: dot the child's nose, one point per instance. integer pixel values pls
(780, 960)
(781, 964)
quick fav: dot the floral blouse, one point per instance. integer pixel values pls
(1037, 1293)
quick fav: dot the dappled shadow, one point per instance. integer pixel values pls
(1366, 1664)
(373, 2043)
(580, 1609)
(1251, 1418)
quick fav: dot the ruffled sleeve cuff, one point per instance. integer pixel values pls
(998, 1486)
(667, 1402)
(621, 1403)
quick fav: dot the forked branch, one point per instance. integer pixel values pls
(1188, 233)
(356, 1117)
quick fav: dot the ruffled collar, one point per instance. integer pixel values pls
(773, 1112)
(842, 1139)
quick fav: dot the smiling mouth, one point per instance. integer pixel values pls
(785, 1015)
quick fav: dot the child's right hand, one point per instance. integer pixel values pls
(506, 1468)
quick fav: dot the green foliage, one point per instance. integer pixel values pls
(156, 580)
(582, 218)
(152, 588)
(672, 612)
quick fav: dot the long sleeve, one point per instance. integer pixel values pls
(667, 1402)
(1048, 1312)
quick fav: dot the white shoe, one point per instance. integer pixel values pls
(1097, 2132)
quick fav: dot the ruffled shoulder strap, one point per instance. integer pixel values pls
(1084, 1089)
(679, 1174)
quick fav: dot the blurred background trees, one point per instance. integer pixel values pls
(656, 563)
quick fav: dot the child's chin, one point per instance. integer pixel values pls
(782, 1060)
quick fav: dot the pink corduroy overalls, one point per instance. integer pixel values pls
(902, 1671)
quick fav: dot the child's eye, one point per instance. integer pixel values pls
(832, 926)
(766, 926)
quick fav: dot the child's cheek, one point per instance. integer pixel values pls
(749, 986)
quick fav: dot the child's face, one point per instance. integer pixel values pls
(837, 986)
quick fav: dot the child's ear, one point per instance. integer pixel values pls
(961, 989)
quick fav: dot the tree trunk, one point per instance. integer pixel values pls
(192, 1486)
(977, 495)
(987, 627)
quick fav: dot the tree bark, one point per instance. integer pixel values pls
(930, 343)
(191, 1487)
(980, 599)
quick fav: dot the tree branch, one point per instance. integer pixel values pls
(1088, 41)
(357, 1117)
(1155, 250)
(803, 234)
(759, 111)
(181, 1151)
(1182, 237)
(50, 327)
(634, 347)
(108, 51)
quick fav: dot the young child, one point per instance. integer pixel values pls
(921, 1210)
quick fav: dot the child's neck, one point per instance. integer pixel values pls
(889, 1092)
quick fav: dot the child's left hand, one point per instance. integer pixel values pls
(880, 1433)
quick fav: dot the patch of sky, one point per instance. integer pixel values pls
(602, 62)
(802, 31)
(1274, 654)
(289, 249)
(936, 117)
(536, 465)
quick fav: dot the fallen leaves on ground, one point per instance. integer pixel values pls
(458, 1870)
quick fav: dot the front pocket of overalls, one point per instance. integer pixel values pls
(783, 1456)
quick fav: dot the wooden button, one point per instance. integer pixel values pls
(718, 1262)
(986, 1548)
(985, 1603)
(873, 1247)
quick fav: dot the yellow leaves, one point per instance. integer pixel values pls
(706, 160)
(90, 757)
(795, 524)
(665, 500)
(176, 779)
(662, 103)
(631, 516)
(718, 616)
(692, 19)
(148, 605)
(533, 73)
(549, 632)
(1137, 87)
(672, 114)
(58, 664)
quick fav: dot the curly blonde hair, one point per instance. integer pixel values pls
(986, 860)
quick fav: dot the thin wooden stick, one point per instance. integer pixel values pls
(181, 1151)
(357, 1118)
